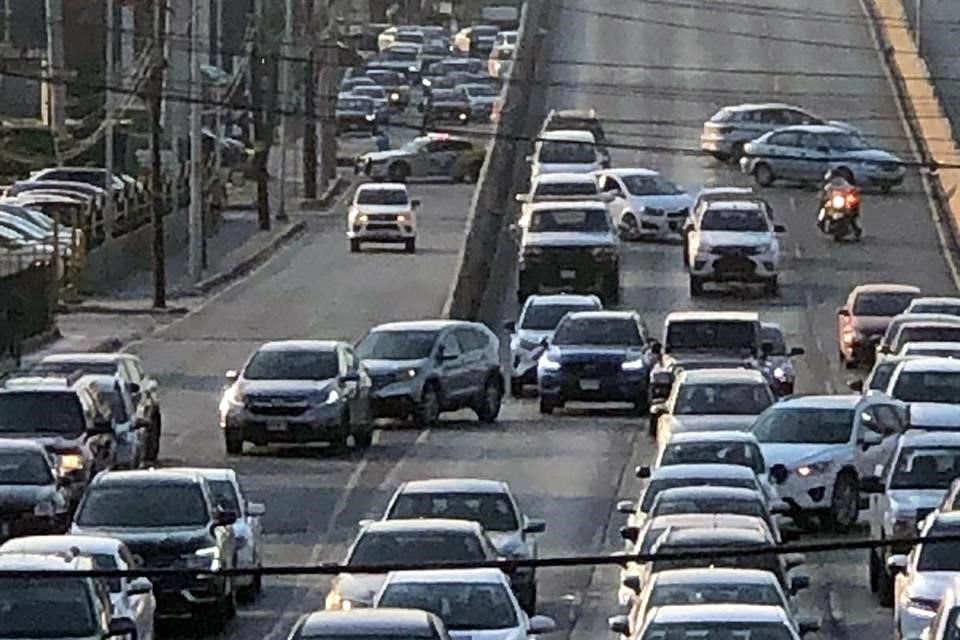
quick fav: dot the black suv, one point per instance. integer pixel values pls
(169, 520)
(32, 499)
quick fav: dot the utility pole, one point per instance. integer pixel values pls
(195, 214)
(218, 112)
(918, 19)
(328, 97)
(310, 107)
(156, 173)
(261, 124)
(285, 55)
(57, 90)
(109, 213)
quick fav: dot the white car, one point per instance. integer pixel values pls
(481, 97)
(935, 380)
(645, 204)
(819, 447)
(931, 349)
(565, 151)
(382, 212)
(924, 575)
(558, 187)
(941, 304)
(247, 530)
(720, 621)
(732, 241)
(723, 399)
(943, 626)
(538, 321)
(934, 416)
(129, 597)
(473, 603)
(904, 492)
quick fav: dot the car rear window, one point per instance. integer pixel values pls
(42, 412)
(384, 548)
(881, 304)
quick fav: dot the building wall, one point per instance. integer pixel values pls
(940, 48)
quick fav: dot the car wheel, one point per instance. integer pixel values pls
(803, 520)
(641, 407)
(547, 405)
(427, 411)
(490, 401)
(364, 438)
(354, 246)
(153, 440)
(772, 286)
(398, 172)
(844, 504)
(516, 387)
(233, 441)
(736, 152)
(763, 174)
(696, 286)
(886, 188)
(472, 175)
(884, 587)
(629, 227)
(410, 246)
(874, 571)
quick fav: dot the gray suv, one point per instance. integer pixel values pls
(420, 369)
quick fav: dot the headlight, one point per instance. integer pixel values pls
(606, 252)
(426, 82)
(401, 218)
(205, 558)
(814, 468)
(839, 202)
(231, 399)
(634, 365)
(370, 117)
(332, 397)
(412, 69)
(362, 218)
(395, 97)
(462, 117)
(780, 375)
(44, 509)
(69, 462)
(532, 252)
(548, 363)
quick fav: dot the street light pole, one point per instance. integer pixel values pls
(282, 103)
(195, 213)
(109, 213)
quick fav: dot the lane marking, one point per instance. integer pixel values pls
(836, 610)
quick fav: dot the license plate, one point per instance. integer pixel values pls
(568, 274)
(276, 425)
(590, 385)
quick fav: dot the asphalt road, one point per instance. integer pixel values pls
(569, 469)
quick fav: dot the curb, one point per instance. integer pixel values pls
(107, 309)
(327, 197)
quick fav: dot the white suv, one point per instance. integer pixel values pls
(818, 447)
(382, 212)
(732, 241)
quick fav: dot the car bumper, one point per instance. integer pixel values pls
(180, 595)
(878, 177)
(668, 225)
(806, 494)
(913, 621)
(383, 232)
(317, 425)
(610, 387)
(734, 268)
(554, 278)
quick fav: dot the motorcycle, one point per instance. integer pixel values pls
(837, 214)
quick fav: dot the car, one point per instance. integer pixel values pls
(707, 195)
(481, 98)
(715, 447)
(385, 542)
(130, 598)
(569, 247)
(539, 317)
(356, 113)
(927, 329)
(565, 151)
(710, 400)
(247, 530)
(911, 486)
(390, 36)
(370, 624)
(711, 586)
(131, 433)
(397, 86)
(865, 316)
(36, 231)
(807, 152)
(716, 620)
(819, 447)
(381, 101)
(883, 345)
(734, 242)
(475, 41)
(729, 129)
(939, 305)
(644, 203)
(67, 416)
(430, 156)
(446, 105)
(454, 64)
(931, 349)
(297, 391)
(93, 176)
(62, 606)
(879, 375)
(382, 212)
(351, 83)
(421, 369)
(469, 601)
(558, 187)
(705, 339)
(933, 380)
(168, 518)
(933, 416)
(402, 57)
(944, 621)
(923, 575)
(33, 499)
(596, 356)
(500, 62)
(434, 52)
(144, 387)
(81, 190)
(580, 120)
(779, 358)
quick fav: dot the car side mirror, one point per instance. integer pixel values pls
(658, 409)
(231, 375)
(871, 484)
(541, 624)
(224, 517)
(140, 587)
(808, 625)
(633, 583)
(778, 473)
(256, 509)
(626, 507)
(522, 197)
(797, 351)
(779, 228)
(122, 627)
(352, 376)
(643, 471)
(510, 326)
(630, 534)
(619, 624)
(535, 526)
(870, 439)
(415, 204)
(798, 584)
(897, 562)
(855, 384)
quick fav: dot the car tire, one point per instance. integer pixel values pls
(696, 286)
(472, 174)
(629, 228)
(398, 172)
(763, 174)
(516, 387)
(426, 412)
(884, 587)
(410, 246)
(490, 401)
(354, 246)
(772, 286)
(844, 504)
(233, 442)
(874, 572)
(153, 439)
(547, 405)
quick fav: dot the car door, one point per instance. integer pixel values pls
(254, 519)
(785, 147)
(611, 186)
(454, 375)
(473, 344)
(440, 158)
(815, 156)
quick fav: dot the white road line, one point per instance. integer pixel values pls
(836, 611)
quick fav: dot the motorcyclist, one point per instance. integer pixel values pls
(834, 182)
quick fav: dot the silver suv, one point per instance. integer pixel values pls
(420, 369)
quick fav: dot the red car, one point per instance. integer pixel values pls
(863, 319)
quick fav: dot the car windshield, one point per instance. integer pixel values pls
(37, 608)
(41, 412)
(711, 335)
(639, 185)
(662, 484)
(598, 331)
(882, 304)
(926, 468)
(481, 91)
(570, 221)
(560, 123)
(716, 593)
(225, 495)
(722, 399)
(546, 317)
(743, 454)
(396, 345)
(880, 377)
(24, 468)
(142, 505)
(942, 556)
(385, 548)
(66, 368)
(925, 333)
(692, 630)
(804, 425)
(774, 337)
(354, 104)
(696, 505)
(927, 386)
(564, 151)
(763, 561)
(461, 606)
(932, 307)
(385, 78)
(397, 197)
(724, 115)
(297, 364)
(545, 189)
(846, 142)
(734, 220)
(494, 511)
(394, 54)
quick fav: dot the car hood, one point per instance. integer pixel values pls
(352, 113)
(514, 633)
(737, 238)
(374, 209)
(907, 502)
(375, 367)
(666, 202)
(153, 542)
(588, 353)
(508, 543)
(931, 585)
(682, 424)
(282, 387)
(359, 588)
(381, 156)
(569, 239)
(792, 455)
(14, 498)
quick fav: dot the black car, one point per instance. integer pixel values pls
(356, 114)
(596, 356)
(446, 105)
(168, 520)
(33, 501)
